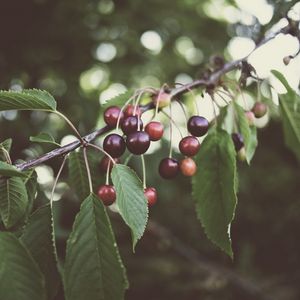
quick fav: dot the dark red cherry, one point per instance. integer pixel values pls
(111, 116)
(114, 145)
(188, 167)
(198, 126)
(155, 130)
(105, 161)
(151, 195)
(129, 111)
(238, 141)
(138, 142)
(259, 109)
(189, 146)
(130, 124)
(168, 168)
(107, 194)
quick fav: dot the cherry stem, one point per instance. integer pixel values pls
(157, 102)
(194, 99)
(258, 91)
(136, 105)
(107, 173)
(122, 109)
(177, 127)
(144, 171)
(171, 132)
(71, 125)
(222, 97)
(51, 202)
(183, 109)
(214, 108)
(102, 150)
(88, 169)
(128, 158)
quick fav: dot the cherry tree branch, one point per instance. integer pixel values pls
(211, 81)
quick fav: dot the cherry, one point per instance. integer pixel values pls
(198, 126)
(168, 168)
(129, 110)
(162, 99)
(138, 142)
(155, 130)
(111, 116)
(105, 161)
(151, 195)
(259, 109)
(114, 145)
(189, 146)
(130, 124)
(107, 194)
(242, 154)
(188, 167)
(250, 117)
(238, 141)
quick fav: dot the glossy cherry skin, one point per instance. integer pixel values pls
(151, 195)
(131, 124)
(259, 109)
(188, 167)
(105, 161)
(189, 146)
(155, 130)
(111, 116)
(168, 168)
(138, 142)
(129, 111)
(114, 145)
(107, 194)
(198, 126)
(238, 141)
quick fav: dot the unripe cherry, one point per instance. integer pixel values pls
(250, 117)
(107, 194)
(155, 130)
(188, 167)
(242, 154)
(151, 195)
(162, 99)
(259, 109)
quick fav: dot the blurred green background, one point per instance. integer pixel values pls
(83, 52)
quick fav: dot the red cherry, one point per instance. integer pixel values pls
(151, 195)
(168, 168)
(155, 130)
(105, 161)
(138, 142)
(189, 146)
(114, 145)
(130, 124)
(107, 194)
(188, 167)
(259, 109)
(198, 126)
(129, 110)
(111, 116)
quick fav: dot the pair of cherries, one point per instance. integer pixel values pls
(188, 146)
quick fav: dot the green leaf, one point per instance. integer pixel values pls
(20, 277)
(44, 137)
(130, 200)
(8, 170)
(13, 200)
(5, 149)
(27, 100)
(118, 100)
(38, 239)
(289, 105)
(252, 143)
(78, 177)
(214, 187)
(93, 267)
(244, 130)
(31, 187)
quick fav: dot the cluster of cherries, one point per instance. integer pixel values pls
(137, 139)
